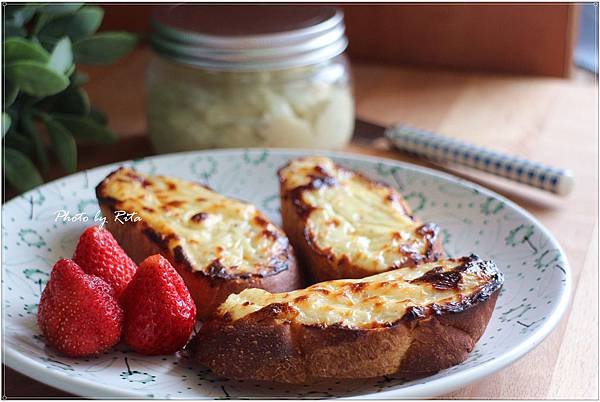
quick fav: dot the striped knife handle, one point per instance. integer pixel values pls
(443, 149)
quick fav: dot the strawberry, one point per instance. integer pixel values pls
(98, 253)
(78, 313)
(159, 311)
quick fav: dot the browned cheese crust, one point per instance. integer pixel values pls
(211, 284)
(326, 263)
(264, 346)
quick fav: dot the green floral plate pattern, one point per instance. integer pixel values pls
(473, 219)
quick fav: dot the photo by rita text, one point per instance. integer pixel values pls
(119, 216)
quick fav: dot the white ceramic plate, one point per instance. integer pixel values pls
(473, 220)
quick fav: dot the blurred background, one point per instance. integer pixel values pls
(538, 39)
(403, 63)
(552, 40)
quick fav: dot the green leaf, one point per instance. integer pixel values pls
(84, 22)
(47, 43)
(11, 10)
(35, 78)
(79, 78)
(84, 127)
(72, 101)
(70, 70)
(63, 143)
(6, 122)
(18, 141)
(17, 49)
(104, 48)
(13, 30)
(30, 129)
(99, 116)
(20, 171)
(61, 59)
(10, 93)
(20, 14)
(40, 22)
(57, 9)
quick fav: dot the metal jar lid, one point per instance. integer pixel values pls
(248, 37)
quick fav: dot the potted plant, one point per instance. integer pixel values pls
(45, 107)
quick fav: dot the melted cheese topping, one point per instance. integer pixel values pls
(358, 218)
(376, 300)
(208, 226)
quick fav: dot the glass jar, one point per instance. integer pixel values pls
(231, 76)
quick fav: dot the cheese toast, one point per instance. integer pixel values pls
(409, 321)
(217, 244)
(344, 225)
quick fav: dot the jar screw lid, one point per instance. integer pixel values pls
(248, 37)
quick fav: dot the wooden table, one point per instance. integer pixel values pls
(547, 120)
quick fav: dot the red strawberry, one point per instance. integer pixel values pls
(98, 253)
(78, 313)
(159, 311)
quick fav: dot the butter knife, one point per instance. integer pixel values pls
(438, 148)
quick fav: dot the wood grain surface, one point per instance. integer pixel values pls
(544, 119)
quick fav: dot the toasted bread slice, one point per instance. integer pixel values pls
(344, 225)
(409, 321)
(218, 245)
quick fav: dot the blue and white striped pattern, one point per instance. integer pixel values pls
(432, 146)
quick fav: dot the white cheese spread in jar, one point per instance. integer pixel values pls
(265, 88)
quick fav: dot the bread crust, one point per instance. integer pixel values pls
(323, 265)
(258, 347)
(207, 289)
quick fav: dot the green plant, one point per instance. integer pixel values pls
(44, 103)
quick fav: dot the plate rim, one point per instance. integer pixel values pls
(448, 383)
